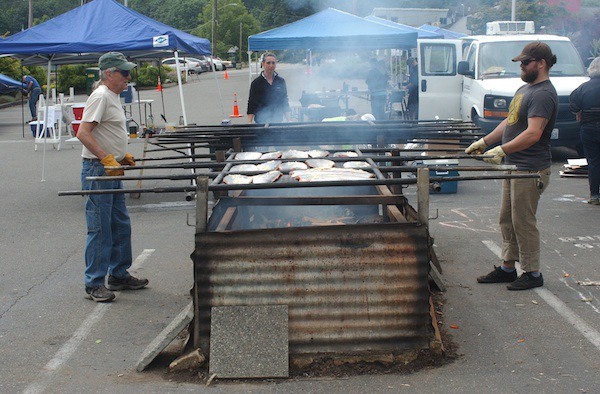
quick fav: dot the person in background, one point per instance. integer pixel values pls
(103, 134)
(412, 87)
(524, 138)
(31, 88)
(377, 82)
(268, 101)
(585, 103)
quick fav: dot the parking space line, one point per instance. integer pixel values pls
(69, 348)
(592, 335)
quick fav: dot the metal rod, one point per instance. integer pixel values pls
(282, 185)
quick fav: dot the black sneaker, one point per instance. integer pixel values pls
(526, 281)
(498, 275)
(99, 293)
(128, 283)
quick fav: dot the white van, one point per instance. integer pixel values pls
(474, 79)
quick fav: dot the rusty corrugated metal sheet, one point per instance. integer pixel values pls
(349, 288)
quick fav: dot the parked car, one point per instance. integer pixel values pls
(219, 66)
(192, 66)
(206, 60)
(227, 63)
(202, 60)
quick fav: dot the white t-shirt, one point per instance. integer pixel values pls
(104, 107)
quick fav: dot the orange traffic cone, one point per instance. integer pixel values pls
(226, 76)
(159, 85)
(236, 110)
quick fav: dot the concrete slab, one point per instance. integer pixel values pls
(249, 341)
(165, 337)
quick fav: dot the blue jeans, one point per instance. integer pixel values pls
(34, 97)
(590, 138)
(108, 243)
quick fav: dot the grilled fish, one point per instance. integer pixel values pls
(244, 167)
(269, 165)
(294, 154)
(237, 179)
(320, 163)
(345, 154)
(356, 164)
(331, 174)
(268, 177)
(317, 154)
(248, 156)
(271, 155)
(292, 165)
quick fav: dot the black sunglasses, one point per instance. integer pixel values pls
(527, 61)
(124, 73)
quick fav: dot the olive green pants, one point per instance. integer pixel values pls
(518, 224)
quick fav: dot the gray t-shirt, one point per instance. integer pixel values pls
(530, 101)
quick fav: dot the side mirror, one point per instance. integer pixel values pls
(463, 69)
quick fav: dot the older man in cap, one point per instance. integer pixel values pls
(104, 136)
(524, 138)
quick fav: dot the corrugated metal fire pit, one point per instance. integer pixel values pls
(350, 262)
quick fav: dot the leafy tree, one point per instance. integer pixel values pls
(526, 10)
(230, 14)
(180, 14)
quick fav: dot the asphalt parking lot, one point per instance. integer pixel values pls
(53, 340)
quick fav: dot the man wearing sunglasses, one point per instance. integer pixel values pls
(104, 137)
(524, 138)
(268, 101)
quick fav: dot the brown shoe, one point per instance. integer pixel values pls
(99, 294)
(127, 283)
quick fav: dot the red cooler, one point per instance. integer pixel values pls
(75, 124)
(78, 110)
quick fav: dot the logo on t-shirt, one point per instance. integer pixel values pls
(513, 110)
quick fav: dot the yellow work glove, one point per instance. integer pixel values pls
(109, 161)
(498, 153)
(128, 160)
(478, 146)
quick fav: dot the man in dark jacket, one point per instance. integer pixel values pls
(377, 82)
(585, 103)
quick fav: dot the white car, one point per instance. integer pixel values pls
(190, 65)
(219, 66)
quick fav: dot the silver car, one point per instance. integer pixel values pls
(190, 65)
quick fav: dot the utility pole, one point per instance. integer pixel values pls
(240, 61)
(30, 15)
(513, 8)
(215, 24)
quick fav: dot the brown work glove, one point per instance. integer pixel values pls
(109, 161)
(128, 160)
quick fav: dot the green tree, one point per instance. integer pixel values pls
(230, 14)
(180, 14)
(542, 14)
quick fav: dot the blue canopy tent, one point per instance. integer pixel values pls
(421, 33)
(331, 30)
(84, 33)
(7, 84)
(445, 32)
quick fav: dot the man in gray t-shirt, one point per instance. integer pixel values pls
(525, 142)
